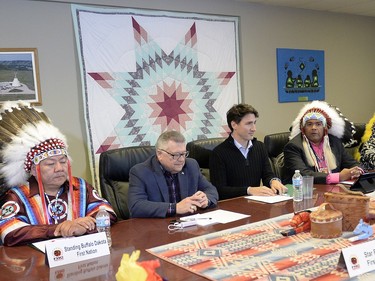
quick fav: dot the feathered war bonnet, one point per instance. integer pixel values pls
(27, 137)
(334, 123)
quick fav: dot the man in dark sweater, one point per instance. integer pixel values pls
(240, 163)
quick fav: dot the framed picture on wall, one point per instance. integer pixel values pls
(19, 75)
(300, 75)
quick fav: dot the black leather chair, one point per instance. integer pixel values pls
(275, 147)
(200, 150)
(114, 167)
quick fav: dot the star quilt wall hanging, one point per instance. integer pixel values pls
(144, 72)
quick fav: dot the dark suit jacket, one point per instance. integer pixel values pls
(148, 190)
(295, 159)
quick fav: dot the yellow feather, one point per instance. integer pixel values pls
(366, 136)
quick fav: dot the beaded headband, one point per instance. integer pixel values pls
(314, 116)
(45, 149)
(318, 114)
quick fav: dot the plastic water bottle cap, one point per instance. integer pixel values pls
(102, 207)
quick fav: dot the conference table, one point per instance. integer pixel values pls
(27, 263)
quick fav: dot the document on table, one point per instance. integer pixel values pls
(270, 199)
(218, 216)
(41, 245)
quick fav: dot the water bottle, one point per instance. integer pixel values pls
(297, 186)
(103, 223)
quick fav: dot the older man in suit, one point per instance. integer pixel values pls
(168, 183)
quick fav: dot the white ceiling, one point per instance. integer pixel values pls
(355, 7)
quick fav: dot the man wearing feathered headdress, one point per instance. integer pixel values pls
(315, 147)
(41, 199)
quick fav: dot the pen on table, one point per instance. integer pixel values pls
(195, 219)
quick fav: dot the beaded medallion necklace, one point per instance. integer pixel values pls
(55, 207)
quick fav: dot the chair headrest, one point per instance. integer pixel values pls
(200, 149)
(275, 143)
(115, 164)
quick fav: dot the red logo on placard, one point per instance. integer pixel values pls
(58, 254)
(354, 261)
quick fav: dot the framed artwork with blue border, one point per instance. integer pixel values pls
(300, 75)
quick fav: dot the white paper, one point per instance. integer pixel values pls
(270, 199)
(41, 245)
(218, 216)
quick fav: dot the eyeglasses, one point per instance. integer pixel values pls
(176, 156)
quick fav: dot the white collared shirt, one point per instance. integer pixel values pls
(244, 150)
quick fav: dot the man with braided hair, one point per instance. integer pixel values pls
(315, 147)
(42, 198)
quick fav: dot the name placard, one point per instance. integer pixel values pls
(359, 258)
(76, 249)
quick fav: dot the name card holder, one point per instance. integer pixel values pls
(76, 249)
(359, 259)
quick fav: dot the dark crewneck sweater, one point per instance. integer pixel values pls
(232, 173)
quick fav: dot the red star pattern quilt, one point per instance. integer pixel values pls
(144, 72)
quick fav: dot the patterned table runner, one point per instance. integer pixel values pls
(258, 251)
